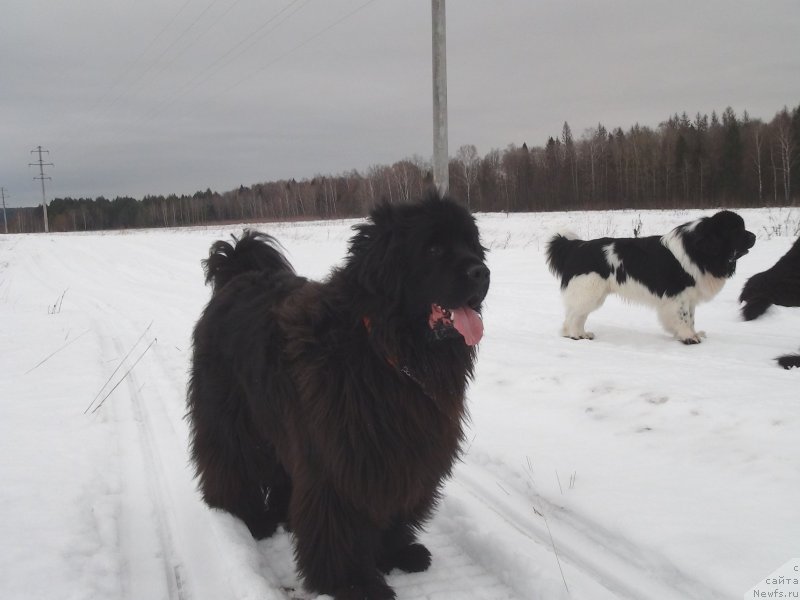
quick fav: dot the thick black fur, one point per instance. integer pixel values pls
(789, 361)
(780, 284)
(300, 409)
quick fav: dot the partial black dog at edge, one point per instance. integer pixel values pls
(780, 284)
(337, 407)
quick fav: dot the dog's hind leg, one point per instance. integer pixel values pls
(262, 505)
(583, 295)
(243, 479)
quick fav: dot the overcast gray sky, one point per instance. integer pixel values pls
(136, 97)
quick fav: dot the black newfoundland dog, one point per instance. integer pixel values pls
(337, 407)
(672, 273)
(780, 284)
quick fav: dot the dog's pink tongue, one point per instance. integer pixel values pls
(469, 324)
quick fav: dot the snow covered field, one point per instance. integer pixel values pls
(630, 466)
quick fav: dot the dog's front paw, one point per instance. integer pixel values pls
(790, 361)
(586, 335)
(414, 558)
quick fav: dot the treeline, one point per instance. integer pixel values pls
(691, 162)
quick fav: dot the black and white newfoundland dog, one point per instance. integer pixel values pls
(780, 285)
(337, 407)
(673, 273)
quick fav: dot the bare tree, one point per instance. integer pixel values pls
(758, 137)
(786, 151)
(469, 161)
(424, 168)
(593, 139)
(774, 174)
(571, 159)
(404, 173)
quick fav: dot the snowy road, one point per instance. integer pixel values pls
(628, 467)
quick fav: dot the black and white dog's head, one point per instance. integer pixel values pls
(714, 244)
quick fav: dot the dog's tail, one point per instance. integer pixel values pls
(254, 251)
(558, 250)
(789, 361)
(756, 296)
(780, 284)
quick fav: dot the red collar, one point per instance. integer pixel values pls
(368, 326)
(394, 363)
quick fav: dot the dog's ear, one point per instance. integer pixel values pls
(382, 216)
(366, 245)
(705, 239)
(373, 254)
(710, 245)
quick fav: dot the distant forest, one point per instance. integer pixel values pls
(686, 162)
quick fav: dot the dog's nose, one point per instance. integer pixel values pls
(478, 273)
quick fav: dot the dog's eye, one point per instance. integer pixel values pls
(435, 250)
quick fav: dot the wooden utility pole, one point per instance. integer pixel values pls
(441, 176)
(42, 165)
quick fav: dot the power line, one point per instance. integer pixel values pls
(144, 52)
(300, 45)
(107, 95)
(221, 62)
(129, 90)
(199, 36)
(42, 165)
(173, 44)
(192, 83)
(163, 52)
(205, 74)
(264, 67)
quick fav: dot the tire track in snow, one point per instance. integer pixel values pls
(170, 564)
(196, 552)
(617, 565)
(171, 545)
